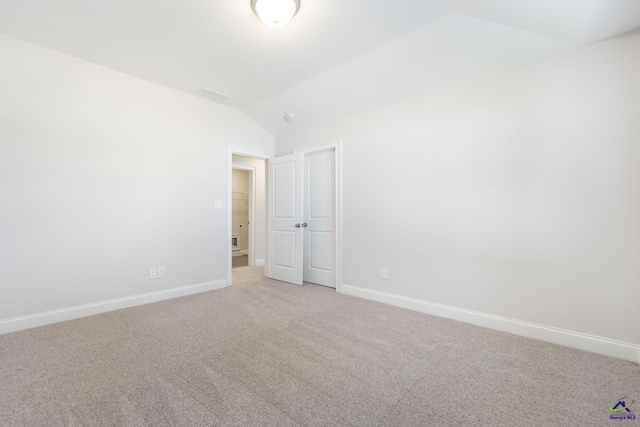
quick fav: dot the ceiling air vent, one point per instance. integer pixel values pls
(212, 95)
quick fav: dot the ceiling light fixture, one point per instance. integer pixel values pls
(275, 13)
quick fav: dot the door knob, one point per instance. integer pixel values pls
(298, 225)
(304, 224)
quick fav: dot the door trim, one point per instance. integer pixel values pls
(246, 152)
(336, 145)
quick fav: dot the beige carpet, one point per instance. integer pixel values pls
(268, 353)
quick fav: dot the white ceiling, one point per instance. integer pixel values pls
(336, 57)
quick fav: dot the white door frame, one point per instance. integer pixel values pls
(246, 152)
(251, 199)
(336, 145)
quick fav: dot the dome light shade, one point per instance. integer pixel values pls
(275, 13)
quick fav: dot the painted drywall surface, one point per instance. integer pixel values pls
(240, 208)
(261, 203)
(520, 192)
(102, 176)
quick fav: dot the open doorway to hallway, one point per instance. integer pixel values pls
(248, 215)
(240, 223)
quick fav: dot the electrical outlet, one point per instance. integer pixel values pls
(384, 273)
(219, 204)
(153, 273)
(160, 271)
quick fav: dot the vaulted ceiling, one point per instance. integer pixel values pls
(335, 58)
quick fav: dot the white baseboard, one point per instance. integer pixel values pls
(259, 263)
(69, 313)
(594, 344)
(244, 251)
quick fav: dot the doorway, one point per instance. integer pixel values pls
(304, 212)
(241, 196)
(246, 211)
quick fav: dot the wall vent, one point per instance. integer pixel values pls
(212, 95)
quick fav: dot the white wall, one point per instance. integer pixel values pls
(103, 175)
(523, 187)
(240, 208)
(260, 225)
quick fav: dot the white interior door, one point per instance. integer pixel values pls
(319, 215)
(285, 218)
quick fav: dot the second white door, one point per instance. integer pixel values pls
(319, 215)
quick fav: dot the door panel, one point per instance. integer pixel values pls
(319, 211)
(320, 250)
(284, 212)
(320, 179)
(284, 175)
(285, 242)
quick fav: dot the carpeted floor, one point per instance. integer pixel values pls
(268, 353)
